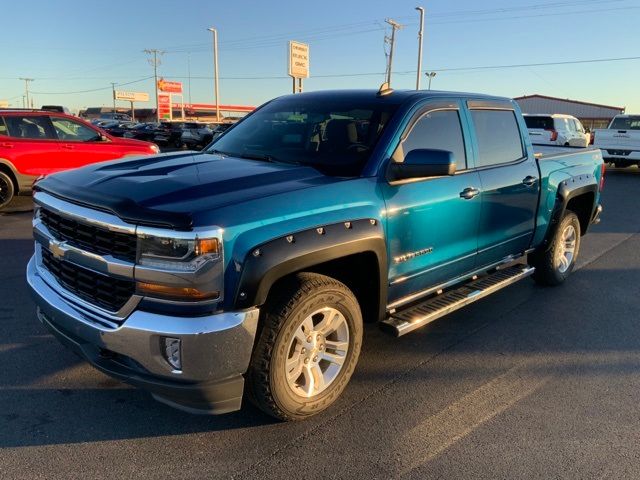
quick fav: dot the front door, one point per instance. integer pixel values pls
(80, 144)
(431, 227)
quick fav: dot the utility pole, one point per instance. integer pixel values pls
(113, 94)
(215, 70)
(26, 89)
(392, 41)
(430, 76)
(420, 32)
(154, 62)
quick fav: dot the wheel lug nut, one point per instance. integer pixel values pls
(304, 350)
(315, 359)
(309, 339)
(306, 360)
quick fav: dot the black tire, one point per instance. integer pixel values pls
(549, 271)
(7, 190)
(296, 299)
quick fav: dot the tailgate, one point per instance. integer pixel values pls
(629, 139)
(540, 136)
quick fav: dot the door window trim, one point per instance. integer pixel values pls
(421, 111)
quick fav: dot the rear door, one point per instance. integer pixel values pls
(31, 145)
(540, 129)
(509, 179)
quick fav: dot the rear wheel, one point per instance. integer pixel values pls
(7, 190)
(307, 349)
(556, 263)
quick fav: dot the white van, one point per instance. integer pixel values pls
(556, 129)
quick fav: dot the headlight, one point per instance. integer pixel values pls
(182, 266)
(180, 254)
(155, 148)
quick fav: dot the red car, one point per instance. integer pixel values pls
(38, 142)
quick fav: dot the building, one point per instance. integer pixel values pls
(592, 115)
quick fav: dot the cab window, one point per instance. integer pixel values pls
(440, 130)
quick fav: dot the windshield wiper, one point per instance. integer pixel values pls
(259, 156)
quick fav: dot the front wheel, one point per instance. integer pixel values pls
(308, 347)
(556, 263)
(7, 190)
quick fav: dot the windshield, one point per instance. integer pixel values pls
(336, 137)
(625, 123)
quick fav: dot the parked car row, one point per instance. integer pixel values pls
(192, 135)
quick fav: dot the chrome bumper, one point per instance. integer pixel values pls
(215, 349)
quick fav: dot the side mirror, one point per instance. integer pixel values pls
(424, 162)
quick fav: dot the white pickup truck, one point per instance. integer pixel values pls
(620, 143)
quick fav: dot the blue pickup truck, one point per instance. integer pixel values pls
(250, 268)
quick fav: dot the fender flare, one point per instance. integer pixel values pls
(266, 263)
(568, 189)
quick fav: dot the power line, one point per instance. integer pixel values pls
(93, 89)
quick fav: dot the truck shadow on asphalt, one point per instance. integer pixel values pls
(49, 396)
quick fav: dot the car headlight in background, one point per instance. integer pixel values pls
(154, 148)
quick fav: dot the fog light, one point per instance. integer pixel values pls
(172, 352)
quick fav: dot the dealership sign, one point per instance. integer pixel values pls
(169, 87)
(131, 96)
(298, 60)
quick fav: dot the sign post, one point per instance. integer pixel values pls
(298, 64)
(168, 88)
(131, 97)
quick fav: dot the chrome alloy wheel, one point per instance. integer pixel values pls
(317, 352)
(566, 248)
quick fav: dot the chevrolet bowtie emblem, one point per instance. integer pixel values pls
(57, 249)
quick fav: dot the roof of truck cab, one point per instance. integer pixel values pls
(394, 97)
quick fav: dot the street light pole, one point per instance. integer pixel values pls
(420, 33)
(430, 76)
(215, 71)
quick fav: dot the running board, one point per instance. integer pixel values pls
(407, 320)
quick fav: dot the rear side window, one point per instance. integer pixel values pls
(439, 130)
(3, 127)
(543, 123)
(498, 137)
(562, 124)
(30, 127)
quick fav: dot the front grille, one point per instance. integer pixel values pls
(89, 237)
(97, 289)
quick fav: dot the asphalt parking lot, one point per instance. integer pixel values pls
(529, 383)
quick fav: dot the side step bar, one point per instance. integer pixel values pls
(416, 316)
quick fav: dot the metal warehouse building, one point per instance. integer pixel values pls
(592, 115)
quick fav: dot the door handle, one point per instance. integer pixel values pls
(469, 192)
(6, 145)
(68, 147)
(529, 181)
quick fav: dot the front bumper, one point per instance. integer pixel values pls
(215, 349)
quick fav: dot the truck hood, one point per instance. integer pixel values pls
(170, 190)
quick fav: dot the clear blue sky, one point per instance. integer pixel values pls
(76, 45)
